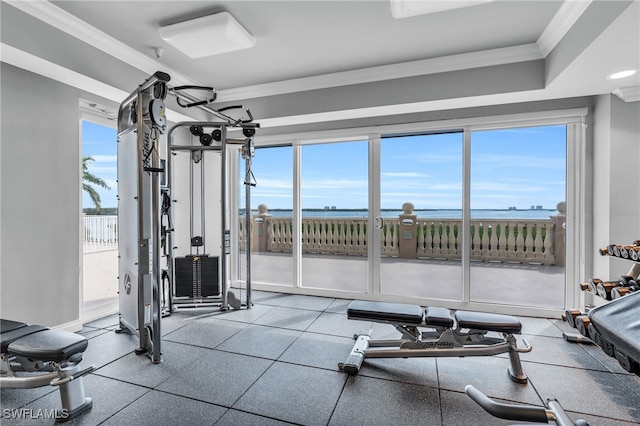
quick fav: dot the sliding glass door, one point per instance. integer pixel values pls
(518, 178)
(470, 217)
(421, 213)
(272, 207)
(334, 199)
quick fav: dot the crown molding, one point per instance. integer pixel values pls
(18, 58)
(628, 94)
(21, 59)
(560, 24)
(506, 55)
(64, 21)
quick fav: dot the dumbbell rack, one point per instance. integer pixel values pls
(606, 291)
(626, 284)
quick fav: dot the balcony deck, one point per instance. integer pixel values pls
(504, 283)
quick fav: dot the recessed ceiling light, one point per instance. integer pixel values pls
(208, 35)
(407, 8)
(622, 74)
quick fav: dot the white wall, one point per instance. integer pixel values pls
(39, 186)
(616, 206)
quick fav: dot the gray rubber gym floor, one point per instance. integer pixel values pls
(277, 364)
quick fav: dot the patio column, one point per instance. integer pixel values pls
(559, 234)
(261, 224)
(407, 236)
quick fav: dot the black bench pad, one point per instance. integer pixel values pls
(49, 345)
(490, 322)
(438, 317)
(15, 333)
(8, 325)
(385, 312)
(619, 322)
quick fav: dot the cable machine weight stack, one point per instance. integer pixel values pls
(195, 277)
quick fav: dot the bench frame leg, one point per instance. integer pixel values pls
(72, 396)
(516, 373)
(356, 357)
(445, 344)
(69, 378)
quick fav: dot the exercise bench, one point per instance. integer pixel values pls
(434, 332)
(54, 353)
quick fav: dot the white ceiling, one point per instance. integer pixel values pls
(107, 47)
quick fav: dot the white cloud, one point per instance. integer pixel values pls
(104, 159)
(273, 183)
(523, 162)
(405, 174)
(103, 170)
(335, 184)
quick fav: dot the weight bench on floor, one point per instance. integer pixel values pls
(449, 334)
(617, 330)
(55, 353)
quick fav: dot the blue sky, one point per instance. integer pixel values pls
(509, 168)
(99, 142)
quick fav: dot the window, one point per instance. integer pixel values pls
(99, 218)
(481, 225)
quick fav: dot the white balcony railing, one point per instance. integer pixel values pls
(513, 240)
(538, 241)
(99, 233)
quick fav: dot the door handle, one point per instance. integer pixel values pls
(379, 223)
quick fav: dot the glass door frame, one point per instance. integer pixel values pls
(577, 197)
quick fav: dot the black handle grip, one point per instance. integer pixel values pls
(239, 107)
(197, 103)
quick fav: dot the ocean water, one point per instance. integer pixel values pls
(440, 214)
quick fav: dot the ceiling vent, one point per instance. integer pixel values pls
(207, 36)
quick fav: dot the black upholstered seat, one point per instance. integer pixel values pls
(15, 333)
(39, 343)
(8, 325)
(438, 317)
(49, 345)
(385, 312)
(486, 321)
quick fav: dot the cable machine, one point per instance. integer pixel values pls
(201, 148)
(145, 230)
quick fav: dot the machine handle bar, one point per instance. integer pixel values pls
(179, 96)
(239, 107)
(527, 346)
(526, 413)
(61, 381)
(507, 411)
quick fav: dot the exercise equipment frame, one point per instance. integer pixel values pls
(51, 357)
(141, 122)
(223, 300)
(434, 332)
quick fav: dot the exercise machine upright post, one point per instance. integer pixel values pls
(141, 121)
